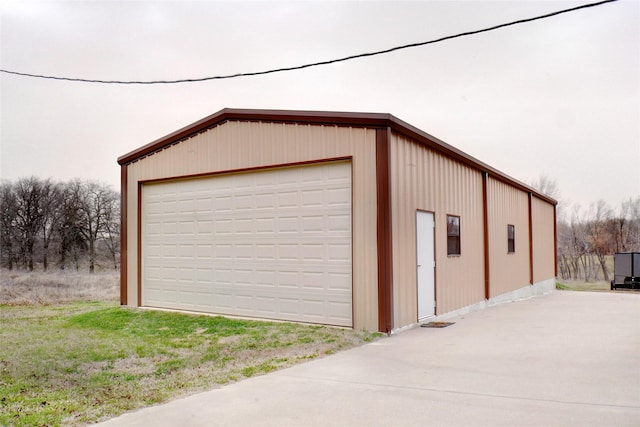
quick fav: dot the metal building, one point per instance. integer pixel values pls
(349, 219)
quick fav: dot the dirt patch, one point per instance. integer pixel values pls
(437, 324)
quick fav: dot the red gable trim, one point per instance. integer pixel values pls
(369, 120)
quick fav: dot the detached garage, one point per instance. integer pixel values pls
(346, 219)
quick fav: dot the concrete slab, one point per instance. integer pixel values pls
(568, 358)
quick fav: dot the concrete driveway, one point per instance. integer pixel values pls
(564, 359)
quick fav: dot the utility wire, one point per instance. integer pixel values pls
(315, 64)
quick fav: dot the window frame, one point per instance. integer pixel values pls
(454, 239)
(511, 239)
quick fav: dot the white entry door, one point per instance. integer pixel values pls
(426, 264)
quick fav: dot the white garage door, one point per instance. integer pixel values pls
(272, 244)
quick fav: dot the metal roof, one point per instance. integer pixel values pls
(368, 120)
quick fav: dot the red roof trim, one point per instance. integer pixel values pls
(371, 120)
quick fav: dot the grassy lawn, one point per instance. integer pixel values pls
(78, 363)
(599, 286)
(581, 285)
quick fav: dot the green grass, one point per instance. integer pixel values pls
(573, 285)
(79, 363)
(563, 287)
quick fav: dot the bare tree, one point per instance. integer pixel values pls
(96, 206)
(546, 185)
(50, 198)
(8, 235)
(580, 245)
(29, 216)
(71, 241)
(110, 233)
(599, 239)
(566, 264)
(631, 211)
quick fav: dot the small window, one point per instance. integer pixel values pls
(511, 238)
(453, 235)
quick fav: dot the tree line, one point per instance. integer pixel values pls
(73, 224)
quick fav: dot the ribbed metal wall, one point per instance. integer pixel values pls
(507, 205)
(544, 245)
(239, 145)
(422, 179)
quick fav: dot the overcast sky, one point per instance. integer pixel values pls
(560, 96)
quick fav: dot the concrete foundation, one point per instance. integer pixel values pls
(537, 289)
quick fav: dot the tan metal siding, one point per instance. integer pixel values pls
(422, 179)
(507, 205)
(238, 145)
(132, 235)
(544, 247)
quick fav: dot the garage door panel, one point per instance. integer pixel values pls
(339, 223)
(241, 299)
(287, 199)
(313, 223)
(287, 224)
(264, 203)
(338, 196)
(274, 244)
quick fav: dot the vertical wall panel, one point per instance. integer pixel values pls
(507, 205)
(129, 208)
(422, 179)
(236, 145)
(544, 246)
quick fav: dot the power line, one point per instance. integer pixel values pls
(314, 64)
